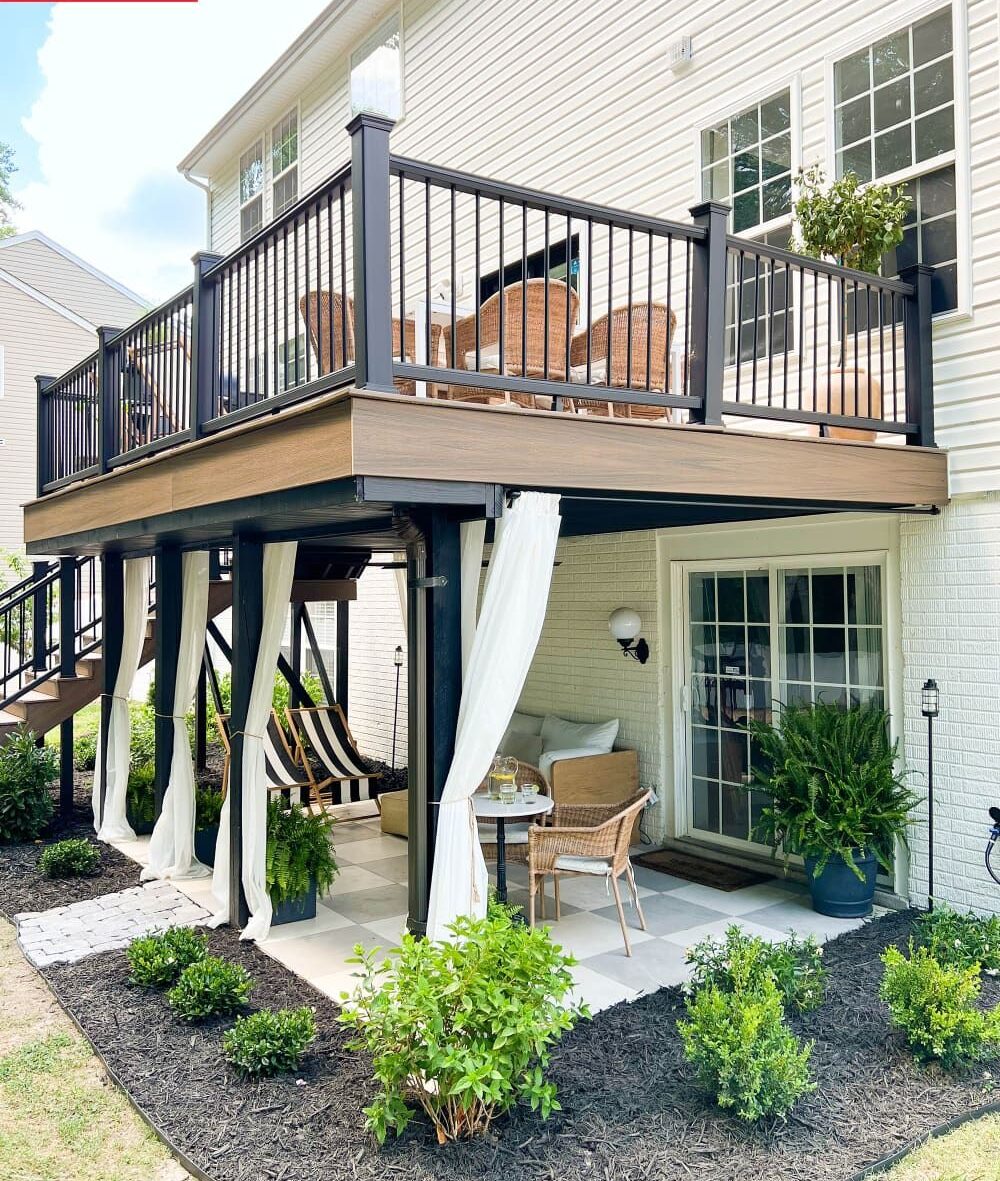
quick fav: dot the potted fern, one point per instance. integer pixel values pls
(207, 810)
(300, 861)
(836, 799)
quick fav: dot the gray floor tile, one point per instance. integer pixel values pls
(381, 902)
(396, 869)
(665, 914)
(652, 879)
(651, 966)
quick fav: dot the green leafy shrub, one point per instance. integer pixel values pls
(140, 800)
(850, 223)
(464, 1028)
(85, 752)
(207, 808)
(298, 851)
(959, 940)
(935, 1006)
(269, 1042)
(795, 965)
(831, 775)
(744, 1053)
(26, 774)
(210, 987)
(157, 961)
(69, 859)
(142, 717)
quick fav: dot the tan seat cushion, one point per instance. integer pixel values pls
(394, 812)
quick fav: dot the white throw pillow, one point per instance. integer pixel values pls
(557, 756)
(524, 724)
(560, 734)
(526, 748)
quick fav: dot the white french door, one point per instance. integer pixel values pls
(758, 636)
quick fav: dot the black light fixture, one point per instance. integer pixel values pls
(397, 660)
(930, 705)
(625, 625)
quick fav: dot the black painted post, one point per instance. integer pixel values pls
(204, 344)
(434, 636)
(248, 619)
(107, 399)
(67, 671)
(201, 720)
(372, 268)
(43, 444)
(112, 629)
(919, 358)
(342, 669)
(708, 311)
(39, 618)
(295, 627)
(167, 643)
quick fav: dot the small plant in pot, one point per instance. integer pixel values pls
(300, 861)
(140, 802)
(836, 798)
(207, 809)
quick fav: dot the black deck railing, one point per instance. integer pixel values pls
(398, 276)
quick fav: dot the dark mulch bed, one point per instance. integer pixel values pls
(629, 1109)
(23, 888)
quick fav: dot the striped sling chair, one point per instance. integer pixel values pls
(281, 769)
(322, 731)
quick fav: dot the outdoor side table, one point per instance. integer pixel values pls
(496, 810)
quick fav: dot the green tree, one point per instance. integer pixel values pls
(7, 201)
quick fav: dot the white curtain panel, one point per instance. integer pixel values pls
(514, 602)
(171, 847)
(279, 570)
(473, 539)
(114, 826)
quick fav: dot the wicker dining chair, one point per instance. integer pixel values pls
(524, 337)
(646, 335)
(516, 834)
(329, 319)
(589, 840)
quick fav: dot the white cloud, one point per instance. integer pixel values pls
(128, 89)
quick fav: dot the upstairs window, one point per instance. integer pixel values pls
(251, 190)
(895, 120)
(377, 72)
(285, 163)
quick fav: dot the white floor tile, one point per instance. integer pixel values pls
(592, 893)
(717, 930)
(597, 991)
(732, 901)
(390, 929)
(586, 934)
(371, 850)
(325, 920)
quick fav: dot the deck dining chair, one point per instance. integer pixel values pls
(621, 345)
(322, 733)
(329, 319)
(585, 840)
(516, 834)
(533, 312)
(282, 772)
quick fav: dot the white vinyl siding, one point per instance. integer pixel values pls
(61, 279)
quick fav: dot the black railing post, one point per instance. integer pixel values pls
(918, 344)
(108, 407)
(39, 617)
(342, 669)
(372, 267)
(43, 430)
(67, 671)
(708, 311)
(204, 344)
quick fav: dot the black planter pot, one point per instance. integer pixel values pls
(838, 892)
(141, 828)
(204, 844)
(295, 910)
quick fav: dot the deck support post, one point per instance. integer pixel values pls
(108, 392)
(342, 667)
(919, 360)
(204, 344)
(295, 656)
(67, 671)
(434, 688)
(248, 620)
(708, 311)
(201, 720)
(112, 634)
(169, 592)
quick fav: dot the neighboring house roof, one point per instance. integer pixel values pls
(45, 240)
(46, 301)
(331, 35)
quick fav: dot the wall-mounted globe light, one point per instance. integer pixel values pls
(625, 625)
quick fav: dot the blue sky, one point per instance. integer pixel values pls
(23, 28)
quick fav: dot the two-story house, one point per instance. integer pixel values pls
(566, 267)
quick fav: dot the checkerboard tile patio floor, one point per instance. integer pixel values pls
(368, 901)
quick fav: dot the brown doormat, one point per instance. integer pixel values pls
(698, 869)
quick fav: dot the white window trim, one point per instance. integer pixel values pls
(270, 175)
(370, 41)
(867, 34)
(267, 192)
(840, 539)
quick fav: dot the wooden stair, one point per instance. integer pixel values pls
(55, 699)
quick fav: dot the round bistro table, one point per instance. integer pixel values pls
(498, 811)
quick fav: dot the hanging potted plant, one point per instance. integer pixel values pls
(207, 809)
(853, 226)
(300, 861)
(836, 799)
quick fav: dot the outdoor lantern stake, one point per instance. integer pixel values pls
(929, 707)
(397, 660)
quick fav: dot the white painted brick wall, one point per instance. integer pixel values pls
(950, 583)
(376, 627)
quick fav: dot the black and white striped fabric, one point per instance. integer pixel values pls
(279, 764)
(325, 730)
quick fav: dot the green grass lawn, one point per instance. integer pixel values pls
(970, 1153)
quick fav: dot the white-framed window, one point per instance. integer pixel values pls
(285, 163)
(894, 121)
(252, 190)
(291, 363)
(747, 162)
(377, 71)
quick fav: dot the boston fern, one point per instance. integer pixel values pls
(831, 775)
(298, 852)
